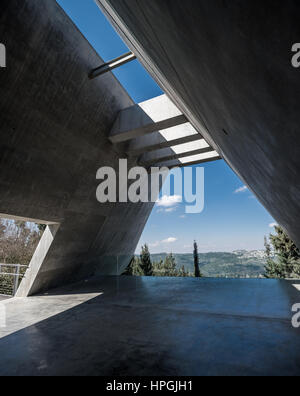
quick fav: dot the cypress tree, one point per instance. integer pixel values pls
(196, 261)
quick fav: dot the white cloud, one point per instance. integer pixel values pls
(241, 190)
(158, 243)
(169, 240)
(169, 201)
(169, 210)
(273, 225)
(182, 217)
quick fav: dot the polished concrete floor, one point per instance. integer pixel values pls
(148, 326)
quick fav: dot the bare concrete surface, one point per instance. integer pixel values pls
(54, 129)
(227, 66)
(154, 326)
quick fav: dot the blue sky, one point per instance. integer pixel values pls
(232, 217)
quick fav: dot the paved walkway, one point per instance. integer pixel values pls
(148, 326)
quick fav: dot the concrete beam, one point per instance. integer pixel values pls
(158, 142)
(180, 163)
(144, 118)
(20, 218)
(113, 64)
(149, 159)
(244, 102)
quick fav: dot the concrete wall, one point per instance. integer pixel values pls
(54, 129)
(227, 65)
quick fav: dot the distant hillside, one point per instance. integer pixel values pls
(240, 263)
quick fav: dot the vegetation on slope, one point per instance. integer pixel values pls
(281, 259)
(18, 241)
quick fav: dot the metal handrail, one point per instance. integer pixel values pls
(13, 265)
(10, 274)
(16, 276)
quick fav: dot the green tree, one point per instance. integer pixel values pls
(183, 273)
(170, 266)
(143, 266)
(282, 255)
(145, 259)
(134, 268)
(273, 269)
(18, 241)
(41, 227)
(196, 261)
(158, 268)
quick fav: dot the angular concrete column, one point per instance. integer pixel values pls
(37, 260)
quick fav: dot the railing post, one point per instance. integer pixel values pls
(16, 280)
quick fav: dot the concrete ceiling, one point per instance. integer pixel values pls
(227, 66)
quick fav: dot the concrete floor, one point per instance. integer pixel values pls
(147, 326)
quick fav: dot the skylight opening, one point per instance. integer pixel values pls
(186, 147)
(199, 157)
